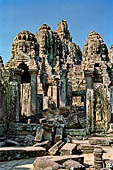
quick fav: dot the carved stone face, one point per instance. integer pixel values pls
(104, 50)
(93, 48)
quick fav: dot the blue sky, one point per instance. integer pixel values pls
(83, 16)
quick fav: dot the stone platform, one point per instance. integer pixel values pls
(13, 153)
(62, 159)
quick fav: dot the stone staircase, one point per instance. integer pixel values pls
(18, 131)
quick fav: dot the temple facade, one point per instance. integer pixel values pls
(48, 70)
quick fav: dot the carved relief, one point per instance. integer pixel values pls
(102, 107)
(25, 99)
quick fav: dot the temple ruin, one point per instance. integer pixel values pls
(47, 70)
(51, 91)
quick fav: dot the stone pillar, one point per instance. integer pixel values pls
(69, 93)
(98, 162)
(58, 94)
(18, 74)
(13, 95)
(89, 102)
(62, 92)
(33, 102)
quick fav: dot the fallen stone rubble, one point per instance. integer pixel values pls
(62, 155)
(64, 152)
(56, 162)
(14, 153)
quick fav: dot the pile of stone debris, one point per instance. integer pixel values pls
(68, 155)
(46, 142)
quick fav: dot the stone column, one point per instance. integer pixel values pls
(33, 74)
(89, 102)
(13, 95)
(18, 73)
(58, 93)
(62, 89)
(69, 93)
(62, 92)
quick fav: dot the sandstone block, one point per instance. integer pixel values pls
(68, 149)
(55, 148)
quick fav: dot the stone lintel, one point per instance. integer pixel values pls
(16, 70)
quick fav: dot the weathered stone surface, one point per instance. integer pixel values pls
(12, 153)
(75, 132)
(111, 54)
(46, 76)
(2, 130)
(10, 142)
(98, 162)
(70, 164)
(86, 148)
(2, 144)
(1, 63)
(108, 163)
(41, 163)
(101, 142)
(55, 148)
(68, 149)
(62, 159)
(29, 140)
(44, 144)
(51, 53)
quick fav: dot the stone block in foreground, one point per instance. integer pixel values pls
(68, 149)
(43, 163)
(13, 153)
(55, 148)
(47, 162)
(62, 159)
(74, 165)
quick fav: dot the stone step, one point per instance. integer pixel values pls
(101, 141)
(21, 129)
(87, 148)
(75, 132)
(14, 153)
(18, 133)
(23, 126)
